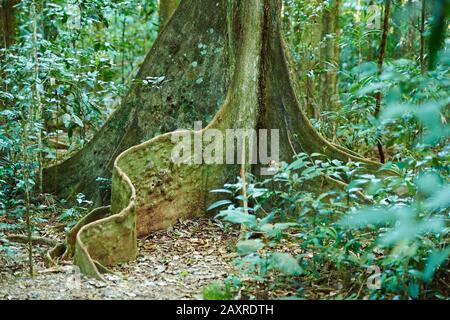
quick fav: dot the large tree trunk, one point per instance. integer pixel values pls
(166, 10)
(245, 70)
(7, 34)
(193, 89)
(7, 23)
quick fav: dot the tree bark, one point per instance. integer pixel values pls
(246, 71)
(193, 88)
(166, 10)
(319, 56)
(7, 23)
(329, 56)
(383, 45)
(7, 33)
(422, 37)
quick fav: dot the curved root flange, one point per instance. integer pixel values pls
(99, 240)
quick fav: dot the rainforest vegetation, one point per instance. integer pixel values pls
(96, 94)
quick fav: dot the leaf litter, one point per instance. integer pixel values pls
(173, 264)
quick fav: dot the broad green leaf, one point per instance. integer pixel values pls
(436, 259)
(238, 217)
(221, 191)
(440, 200)
(218, 204)
(364, 217)
(286, 263)
(77, 121)
(249, 246)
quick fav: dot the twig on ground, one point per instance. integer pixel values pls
(35, 240)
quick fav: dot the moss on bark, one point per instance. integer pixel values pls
(189, 61)
(166, 10)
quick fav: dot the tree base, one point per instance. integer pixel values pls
(150, 192)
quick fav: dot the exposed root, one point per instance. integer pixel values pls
(18, 238)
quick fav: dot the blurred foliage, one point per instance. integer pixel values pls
(71, 63)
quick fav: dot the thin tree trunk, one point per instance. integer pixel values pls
(7, 32)
(369, 40)
(28, 215)
(26, 119)
(383, 44)
(7, 23)
(124, 25)
(319, 51)
(422, 37)
(329, 56)
(37, 100)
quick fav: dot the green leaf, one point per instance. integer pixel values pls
(371, 88)
(77, 121)
(365, 217)
(286, 263)
(434, 261)
(273, 230)
(238, 217)
(354, 185)
(413, 290)
(440, 200)
(221, 191)
(66, 120)
(218, 204)
(297, 164)
(408, 229)
(428, 182)
(247, 247)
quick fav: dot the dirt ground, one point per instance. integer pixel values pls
(173, 264)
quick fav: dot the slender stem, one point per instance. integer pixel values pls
(37, 95)
(123, 49)
(244, 191)
(369, 40)
(422, 38)
(383, 44)
(29, 227)
(26, 178)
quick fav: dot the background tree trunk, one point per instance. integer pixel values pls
(329, 56)
(381, 55)
(319, 56)
(7, 32)
(7, 23)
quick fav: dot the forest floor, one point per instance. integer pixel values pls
(174, 264)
